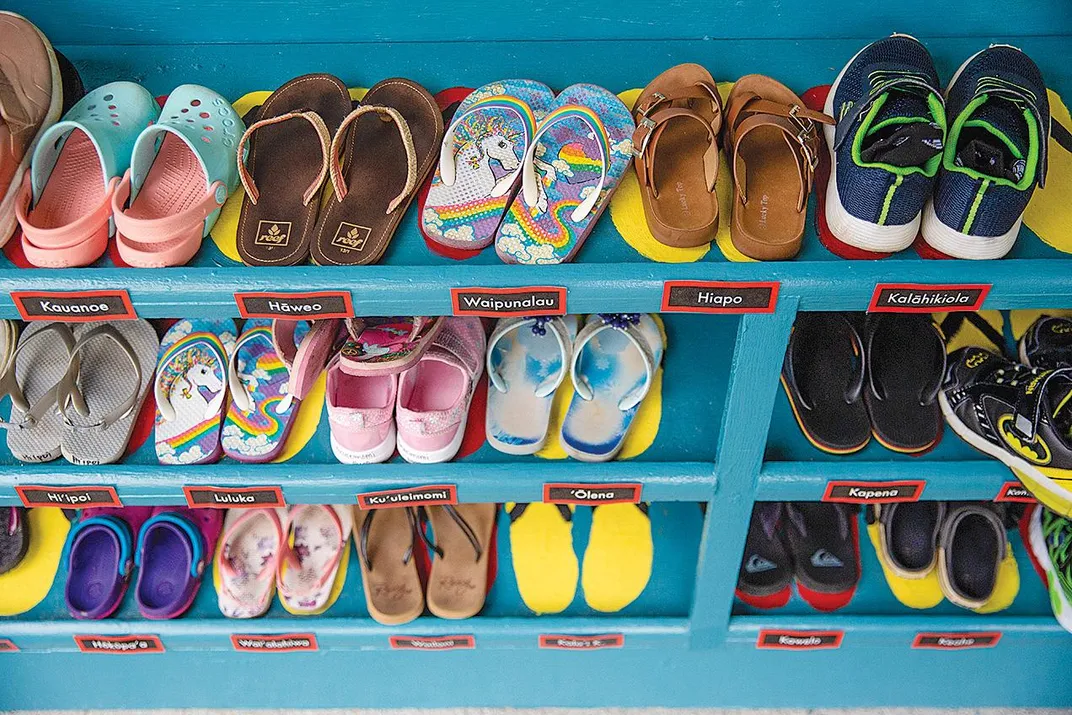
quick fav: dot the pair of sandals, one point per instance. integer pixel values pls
(376, 156)
(76, 391)
(773, 144)
(301, 553)
(399, 580)
(845, 387)
(169, 546)
(527, 170)
(119, 164)
(611, 362)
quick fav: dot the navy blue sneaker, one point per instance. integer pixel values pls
(887, 145)
(995, 154)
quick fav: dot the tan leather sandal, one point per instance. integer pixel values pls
(774, 150)
(676, 145)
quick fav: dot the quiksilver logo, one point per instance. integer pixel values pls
(351, 237)
(273, 233)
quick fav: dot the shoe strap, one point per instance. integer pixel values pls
(1030, 398)
(516, 511)
(366, 528)
(855, 386)
(466, 529)
(1004, 89)
(70, 235)
(929, 393)
(646, 140)
(289, 556)
(321, 134)
(513, 105)
(119, 528)
(539, 326)
(846, 125)
(239, 394)
(174, 367)
(338, 181)
(9, 384)
(67, 390)
(307, 360)
(165, 228)
(626, 323)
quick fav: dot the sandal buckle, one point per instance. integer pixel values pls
(657, 98)
(805, 134)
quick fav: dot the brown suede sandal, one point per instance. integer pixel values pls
(285, 171)
(774, 149)
(679, 117)
(458, 581)
(388, 146)
(385, 544)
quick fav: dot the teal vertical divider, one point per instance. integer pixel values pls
(757, 361)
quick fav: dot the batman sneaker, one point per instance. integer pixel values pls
(766, 570)
(1017, 414)
(1050, 537)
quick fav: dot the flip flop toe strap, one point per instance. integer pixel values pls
(291, 557)
(9, 384)
(67, 390)
(447, 156)
(466, 529)
(627, 324)
(366, 529)
(321, 133)
(338, 181)
(305, 361)
(539, 326)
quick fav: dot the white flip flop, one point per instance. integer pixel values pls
(247, 559)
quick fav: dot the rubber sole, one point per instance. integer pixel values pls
(957, 244)
(1062, 608)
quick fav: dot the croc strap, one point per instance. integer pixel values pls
(162, 392)
(119, 528)
(166, 228)
(227, 568)
(63, 237)
(321, 133)
(293, 560)
(9, 385)
(653, 116)
(67, 388)
(195, 540)
(627, 324)
(514, 105)
(529, 179)
(539, 326)
(338, 181)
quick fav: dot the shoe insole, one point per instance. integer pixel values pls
(393, 586)
(431, 386)
(175, 182)
(525, 361)
(165, 569)
(93, 571)
(920, 593)
(541, 549)
(973, 552)
(74, 188)
(458, 581)
(251, 550)
(772, 188)
(684, 202)
(361, 392)
(617, 562)
(911, 535)
(905, 361)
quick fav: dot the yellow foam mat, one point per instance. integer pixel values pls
(627, 209)
(642, 431)
(1006, 587)
(919, 593)
(306, 421)
(617, 562)
(225, 232)
(1049, 213)
(1021, 320)
(26, 585)
(545, 565)
(968, 335)
(336, 587)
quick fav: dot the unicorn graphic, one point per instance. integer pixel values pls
(191, 376)
(483, 141)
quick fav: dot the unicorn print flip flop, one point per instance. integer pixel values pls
(480, 161)
(316, 552)
(174, 546)
(101, 560)
(579, 153)
(527, 359)
(247, 559)
(191, 390)
(614, 362)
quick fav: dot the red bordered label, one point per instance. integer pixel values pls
(553, 641)
(282, 643)
(410, 496)
(874, 492)
(799, 640)
(565, 493)
(68, 497)
(320, 304)
(922, 298)
(956, 641)
(509, 302)
(432, 643)
(8, 646)
(719, 297)
(234, 497)
(119, 644)
(1016, 492)
(79, 306)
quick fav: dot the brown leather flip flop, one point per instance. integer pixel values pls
(386, 539)
(774, 150)
(458, 580)
(388, 145)
(285, 170)
(676, 145)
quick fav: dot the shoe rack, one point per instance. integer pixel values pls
(727, 437)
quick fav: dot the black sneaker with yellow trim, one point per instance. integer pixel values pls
(1019, 415)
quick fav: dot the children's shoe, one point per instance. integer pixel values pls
(434, 395)
(174, 547)
(824, 542)
(971, 547)
(361, 411)
(1050, 540)
(994, 156)
(1047, 343)
(247, 560)
(1015, 414)
(908, 537)
(14, 537)
(766, 570)
(887, 145)
(101, 560)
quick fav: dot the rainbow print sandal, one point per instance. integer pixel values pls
(260, 415)
(480, 161)
(578, 155)
(190, 390)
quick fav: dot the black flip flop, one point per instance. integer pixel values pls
(14, 537)
(823, 377)
(905, 364)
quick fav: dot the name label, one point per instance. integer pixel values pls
(509, 302)
(719, 297)
(74, 306)
(874, 492)
(318, 305)
(799, 640)
(77, 497)
(234, 497)
(7, 646)
(592, 493)
(921, 298)
(956, 641)
(567, 642)
(409, 496)
(432, 643)
(119, 644)
(282, 643)
(1016, 492)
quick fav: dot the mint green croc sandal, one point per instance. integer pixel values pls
(182, 171)
(65, 202)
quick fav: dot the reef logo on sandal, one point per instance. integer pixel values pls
(273, 233)
(351, 237)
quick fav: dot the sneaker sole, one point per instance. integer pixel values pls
(1062, 609)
